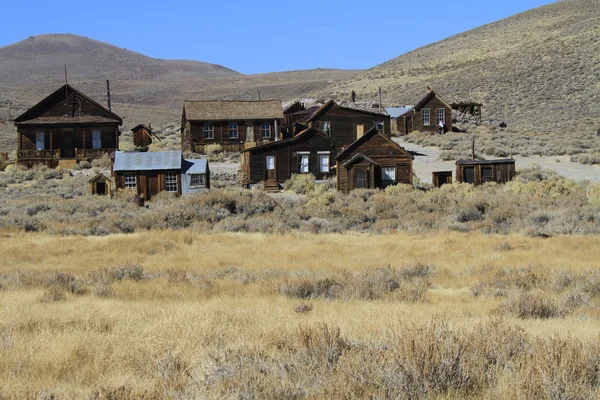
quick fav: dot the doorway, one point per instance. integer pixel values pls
(68, 150)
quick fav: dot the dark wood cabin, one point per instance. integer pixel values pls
(373, 161)
(308, 152)
(478, 172)
(65, 128)
(439, 178)
(235, 125)
(426, 115)
(142, 137)
(101, 185)
(344, 124)
(294, 113)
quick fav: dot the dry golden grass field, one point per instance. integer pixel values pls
(179, 314)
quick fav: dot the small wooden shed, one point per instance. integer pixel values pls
(439, 178)
(478, 172)
(142, 137)
(101, 185)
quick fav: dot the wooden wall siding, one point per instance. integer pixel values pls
(501, 173)
(384, 153)
(439, 178)
(193, 138)
(414, 121)
(141, 138)
(344, 122)
(287, 159)
(143, 181)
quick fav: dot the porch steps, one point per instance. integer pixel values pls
(272, 186)
(67, 164)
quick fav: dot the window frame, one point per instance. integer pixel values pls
(466, 177)
(321, 164)
(378, 123)
(265, 130)
(302, 156)
(96, 141)
(443, 119)
(233, 130)
(490, 178)
(360, 173)
(129, 176)
(200, 177)
(269, 157)
(40, 138)
(384, 175)
(426, 111)
(170, 180)
(326, 125)
(209, 131)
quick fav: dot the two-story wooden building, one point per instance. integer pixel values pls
(344, 124)
(308, 152)
(64, 128)
(373, 161)
(426, 116)
(234, 125)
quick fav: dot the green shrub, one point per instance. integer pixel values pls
(300, 183)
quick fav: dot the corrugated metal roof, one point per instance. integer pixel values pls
(396, 112)
(138, 161)
(198, 166)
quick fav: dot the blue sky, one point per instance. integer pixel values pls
(260, 36)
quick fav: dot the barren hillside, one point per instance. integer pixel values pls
(538, 70)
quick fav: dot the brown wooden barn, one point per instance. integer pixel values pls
(64, 128)
(309, 152)
(234, 125)
(373, 161)
(481, 171)
(344, 124)
(142, 137)
(426, 115)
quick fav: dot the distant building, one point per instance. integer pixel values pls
(235, 125)
(142, 137)
(65, 128)
(425, 116)
(478, 172)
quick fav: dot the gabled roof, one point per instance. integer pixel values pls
(331, 103)
(296, 138)
(359, 157)
(368, 135)
(425, 99)
(34, 114)
(223, 110)
(195, 166)
(150, 161)
(98, 177)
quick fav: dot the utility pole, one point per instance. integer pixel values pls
(108, 93)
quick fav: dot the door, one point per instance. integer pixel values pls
(360, 130)
(360, 179)
(270, 169)
(409, 125)
(250, 134)
(101, 188)
(67, 145)
(152, 185)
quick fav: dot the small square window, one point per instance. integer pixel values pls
(129, 180)
(171, 182)
(233, 130)
(380, 125)
(197, 180)
(388, 174)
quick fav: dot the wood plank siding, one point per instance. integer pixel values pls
(370, 161)
(416, 119)
(479, 172)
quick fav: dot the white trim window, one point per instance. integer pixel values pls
(265, 130)
(234, 132)
(324, 163)
(40, 142)
(96, 139)
(441, 116)
(388, 174)
(129, 180)
(209, 130)
(198, 180)
(327, 128)
(303, 167)
(171, 182)
(426, 116)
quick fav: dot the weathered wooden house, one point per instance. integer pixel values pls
(344, 124)
(308, 152)
(481, 171)
(150, 173)
(235, 125)
(65, 128)
(294, 113)
(373, 161)
(426, 115)
(142, 137)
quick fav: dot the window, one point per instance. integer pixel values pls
(486, 174)
(129, 180)
(233, 130)
(197, 180)
(380, 125)
(441, 116)
(469, 175)
(209, 131)
(303, 169)
(96, 139)
(265, 130)
(324, 163)
(40, 143)
(327, 127)
(388, 174)
(171, 182)
(360, 179)
(426, 115)
(270, 161)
